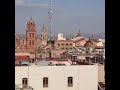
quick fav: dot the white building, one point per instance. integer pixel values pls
(60, 37)
(101, 44)
(101, 73)
(102, 40)
(81, 77)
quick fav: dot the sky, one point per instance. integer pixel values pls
(68, 15)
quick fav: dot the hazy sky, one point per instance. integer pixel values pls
(68, 15)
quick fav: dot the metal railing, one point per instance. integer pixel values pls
(23, 87)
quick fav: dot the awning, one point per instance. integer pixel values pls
(25, 62)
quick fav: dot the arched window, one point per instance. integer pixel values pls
(62, 44)
(25, 82)
(70, 81)
(30, 42)
(70, 44)
(58, 44)
(32, 34)
(66, 48)
(45, 82)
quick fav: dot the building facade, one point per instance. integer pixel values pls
(64, 45)
(58, 77)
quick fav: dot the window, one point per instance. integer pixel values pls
(62, 44)
(66, 44)
(70, 48)
(25, 82)
(58, 44)
(70, 44)
(30, 42)
(32, 34)
(45, 82)
(70, 81)
(66, 48)
(62, 48)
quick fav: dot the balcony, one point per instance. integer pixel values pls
(23, 87)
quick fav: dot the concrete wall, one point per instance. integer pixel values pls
(101, 73)
(85, 77)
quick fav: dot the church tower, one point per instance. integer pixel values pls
(31, 36)
(79, 34)
(43, 36)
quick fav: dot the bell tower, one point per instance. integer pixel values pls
(31, 36)
(43, 36)
(79, 33)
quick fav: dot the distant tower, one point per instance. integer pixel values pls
(43, 36)
(79, 34)
(50, 19)
(31, 36)
(92, 37)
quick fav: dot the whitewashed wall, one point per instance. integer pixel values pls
(85, 77)
(100, 44)
(101, 73)
(60, 37)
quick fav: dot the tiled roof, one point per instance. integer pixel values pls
(24, 50)
(79, 39)
(22, 58)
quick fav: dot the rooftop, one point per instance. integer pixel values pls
(78, 38)
(22, 57)
(101, 85)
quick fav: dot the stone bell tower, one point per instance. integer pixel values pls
(31, 36)
(43, 36)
